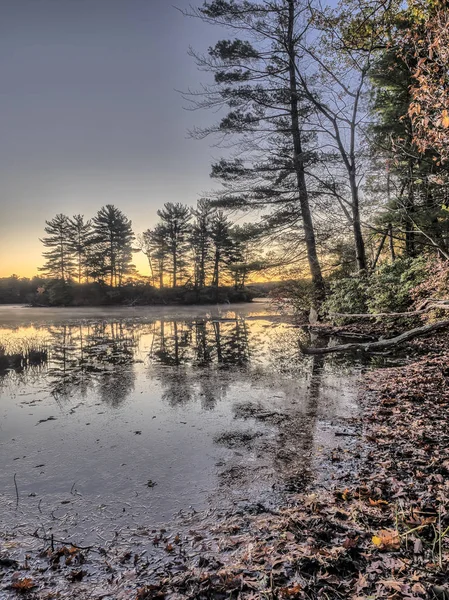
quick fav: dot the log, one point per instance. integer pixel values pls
(380, 344)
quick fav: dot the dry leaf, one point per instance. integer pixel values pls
(387, 539)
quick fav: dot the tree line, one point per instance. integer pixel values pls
(338, 124)
(198, 246)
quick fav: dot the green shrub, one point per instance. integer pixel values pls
(348, 295)
(60, 293)
(390, 288)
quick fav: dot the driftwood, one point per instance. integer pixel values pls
(380, 344)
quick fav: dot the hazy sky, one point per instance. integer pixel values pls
(89, 115)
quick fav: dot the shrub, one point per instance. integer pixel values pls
(293, 295)
(59, 293)
(390, 288)
(435, 286)
(348, 295)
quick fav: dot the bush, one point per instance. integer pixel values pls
(390, 288)
(294, 295)
(348, 295)
(59, 293)
(435, 285)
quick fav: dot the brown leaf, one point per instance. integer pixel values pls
(23, 585)
(392, 584)
(417, 588)
(387, 539)
(377, 502)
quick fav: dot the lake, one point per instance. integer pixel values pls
(143, 415)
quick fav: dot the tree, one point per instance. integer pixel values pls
(58, 259)
(224, 249)
(255, 80)
(429, 66)
(200, 239)
(175, 228)
(248, 256)
(332, 68)
(153, 244)
(79, 241)
(112, 238)
(413, 174)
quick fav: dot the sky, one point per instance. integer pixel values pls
(90, 115)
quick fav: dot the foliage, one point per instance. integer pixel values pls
(133, 293)
(434, 286)
(58, 259)
(59, 292)
(112, 239)
(390, 288)
(293, 295)
(347, 295)
(263, 115)
(429, 64)
(174, 232)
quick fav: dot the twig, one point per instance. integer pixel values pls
(17, 490)
(52, 540)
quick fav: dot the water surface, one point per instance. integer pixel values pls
(140, 414)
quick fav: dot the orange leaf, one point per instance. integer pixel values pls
(377, 502)
(23, 585)
(387, 539)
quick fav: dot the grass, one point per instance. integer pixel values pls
(19, 354)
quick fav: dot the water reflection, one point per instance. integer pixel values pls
(105, 354)
(206, 407)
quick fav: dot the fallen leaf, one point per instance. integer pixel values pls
(387, 539)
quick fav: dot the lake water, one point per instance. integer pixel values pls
(139, 415)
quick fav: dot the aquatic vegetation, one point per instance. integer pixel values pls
(19, 354)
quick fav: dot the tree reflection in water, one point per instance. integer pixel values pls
(254, 368)
(191, 347)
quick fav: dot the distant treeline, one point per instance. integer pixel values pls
(39, 291)
(198, 248)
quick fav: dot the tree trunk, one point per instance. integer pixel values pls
(161, 275)
(410, 209)
(380, 344)
(309, 233)
(356, 226)
(175, 269)
(393, 256)
(215, 279)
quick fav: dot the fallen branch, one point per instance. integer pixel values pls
(380, 344)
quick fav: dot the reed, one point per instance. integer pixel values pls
(20, 354)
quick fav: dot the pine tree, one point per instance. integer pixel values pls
(153, 244)
(200, 240)
(112, 240)
(80, 238)
(224, 249)
(256, 83)
(58, 259)
(175, 227)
